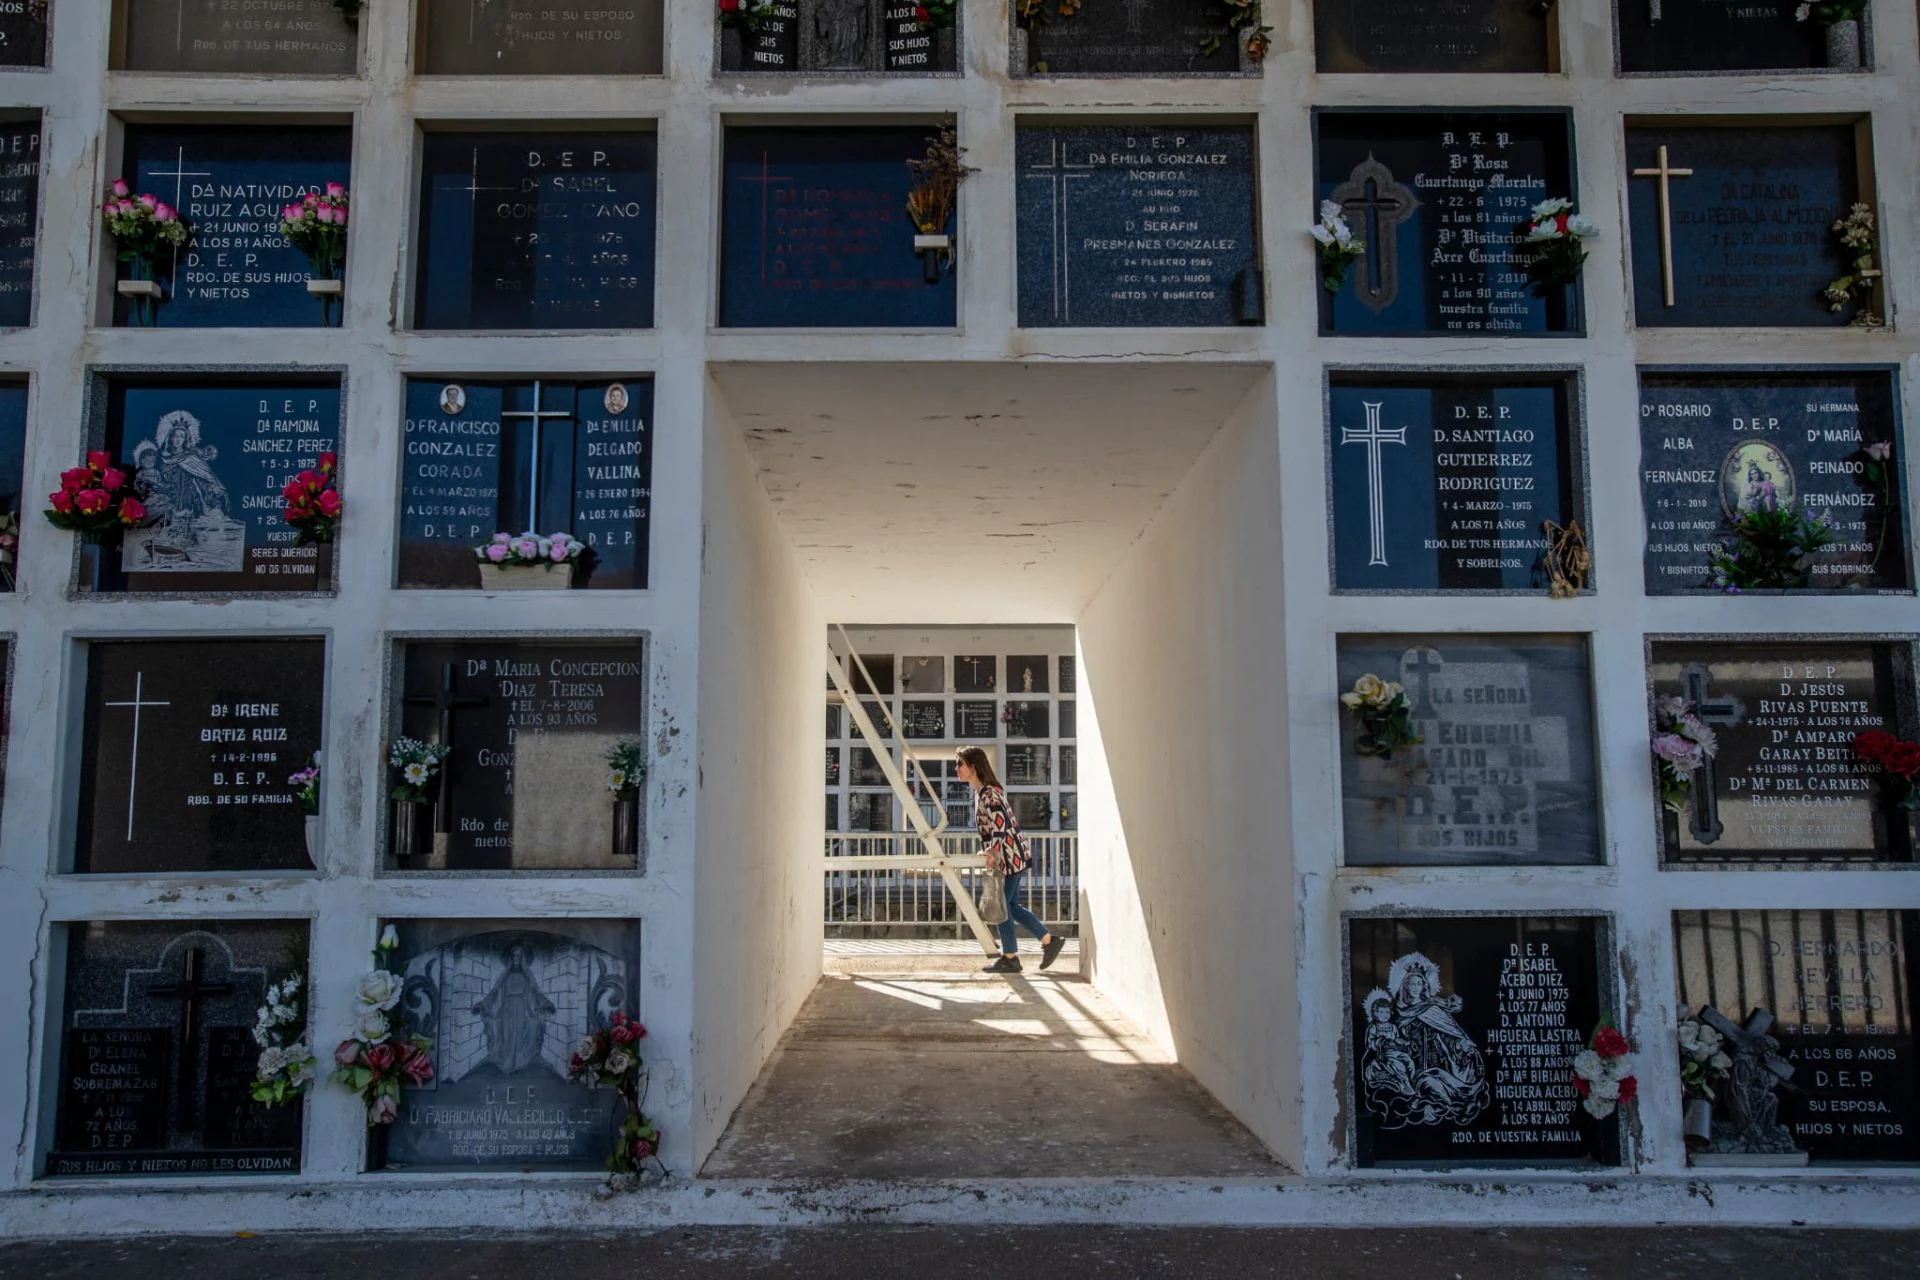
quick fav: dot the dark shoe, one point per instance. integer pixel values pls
(1050, 951)
(1005, 964)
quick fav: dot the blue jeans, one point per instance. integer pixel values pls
(1017, 913)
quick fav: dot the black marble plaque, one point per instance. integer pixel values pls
(1441, 484)
(476, 38)
(1151, 226)
(833, 766)
(157, 1049)
(1505, 774)
(1136, 37)
(1032, 810)
(562, 456)
(1786, 785)
(13, 454)
(1716, 35)
(865, 770)
(1027, 719)
(1839, 985)
(529, 723)
(23, 34)
(229, 182)
(841, 36)
(1027, 673)
(185, 752)
(1716, 444)
(923, 674)
(833, 723)
(1067, 674)
(1750, 221)
(923, 719)
(976, 673)
(1069, 766)
(212, 459)
(1068, 719)
(878, 719)
(774, 46)
(1029, 766)
(1464, 36)
(975, 720)
(305, 37)
(870, 811)
(537, 231)
(504, 1002)
(1464, 1031)
(815, 233)
(913, 45)
(1442, 201)
(19, 218)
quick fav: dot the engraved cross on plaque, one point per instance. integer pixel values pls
(1381, 204)
(767, 180)
(1665, 173)
(1704, 817)
(445, 701)
(1421, 666)
(535, 417)
(1373, 435)
(179, 173)
(133, 754)
(1057, 173)
(188, 991)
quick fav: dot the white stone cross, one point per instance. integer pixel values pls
(133, 757)
(1373, 435)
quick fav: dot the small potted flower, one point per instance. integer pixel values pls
(416, 766)
(1682, 743)
(316, 225)
(144, 228)
(97, 500)
(609, 1058)
(529, 561)
(377, 1061)
(306, 793)
(1842, 20)
(930, 204)
(1557, 235)
(738, 20)
(284, 1070)
(626, 774)
(1899, 763)
(1703, 1065)
(1385, 716)
(1338, 249)
(1603, 1071)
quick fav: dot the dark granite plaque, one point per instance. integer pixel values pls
(873, 673)
(1442, 202)
(186, 749)
(913, 45)
(1029, 766)
(1032, 810)
(870, 811)
(833, 723)
(212, 460)
(19, 218)
(1464, 36)
(1136, 37)
(1840, 987)
(1069, 766)
(305, 37)
(489, 457)
(1786, 785)
(841, 36)
(1068, 719)
(158, 1051)
(537, 231)
(1464, 1030)
(13, 454)
(1716, 35)
(1441, 484)
(1151, 226)
(1026, 719)
(23, 34)
(1505, 774)
(504, 1002)
(1067, 675)
(477, 38)
(975, 720)
(1027, 673)
(229, 182)
(923, 674)
(815, 232)
(1716, 444)
(924, 719)
(774, 46)
(976, 673)
(865, 770)
(529, 723)
(1749, 210)
(878, 719)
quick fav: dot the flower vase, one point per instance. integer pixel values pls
(526, 577)
(626, 826)
(412, 832)
(311, 823)
(733, 49)
(1843, 45)
(141, 291)
(1699, 1124)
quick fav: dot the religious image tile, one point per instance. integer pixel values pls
(20, 221)
(1403, 36)
(486, 38)
(485, 457)
(157, 1055)
(305, 37)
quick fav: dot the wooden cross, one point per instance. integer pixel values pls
(1665, 173)
(446, 702)
(188, 991)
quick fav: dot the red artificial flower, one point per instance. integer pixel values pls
(329, 462)
(419, 1068)
(92, 501)
(99, 460)
(1902, 758)
(642, 1148)
(380, 1057)
(132, 511)
(1629, 1089)
(291, 514)
(62, 501)
(311, 479)
(729, 6)
(1873, 744)
(112, 478)
(619, 1018)
(346, 1053)
(575, 1065)
(330, 503)
(1580, 1085)
(76, 479)
(920, 14)
(1609, 1043)
(293, 492)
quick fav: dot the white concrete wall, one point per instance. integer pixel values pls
(1186, 850)
(756, 904)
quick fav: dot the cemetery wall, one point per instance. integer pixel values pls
(757, 942)
(1184, 858)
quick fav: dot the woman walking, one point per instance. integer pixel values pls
(1009, 854)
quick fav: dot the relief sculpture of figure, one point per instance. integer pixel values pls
(515, 1016)
(841, 26)
(1419, 1065)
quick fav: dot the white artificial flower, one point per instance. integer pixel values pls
(291, 985)
(372, 1026)
(1542, 231)
(1582, 226)
(1720, 1062)
(1804, 12)
(1552, 208)
(584, 1049)
(618, 1062)
(1689, 1035)
(1589, 1065)
(302, 1069)
(1621, 1067)
(1598, 1108)
(1606, 1088)
(273, 994)
(1329, 211)
(1319, 232)
(415, 774)
(389, 938)
(1698, 731)
(379, 990)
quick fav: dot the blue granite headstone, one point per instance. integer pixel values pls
(1716, 442)
(1442, 485)
(211, 460)
(537, 231)
(19, 218)
(230, 182)
(1751, 223)
(1442, 201)
(1148, 227)
(478, 461)
(815, 233)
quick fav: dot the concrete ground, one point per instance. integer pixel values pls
(1056, 1253)
(907, 1062)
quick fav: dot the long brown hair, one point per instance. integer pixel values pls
(982, 765)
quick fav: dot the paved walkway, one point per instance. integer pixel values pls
(1056, 1253)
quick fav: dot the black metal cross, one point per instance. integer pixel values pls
(1382, 204)
(1422, 668)
(446, 702)
(188, 991)
(1704, 816)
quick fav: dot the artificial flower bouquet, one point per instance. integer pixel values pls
(1385, 716)
(316, 225)
(609, 1058)
(746, 15)
(1682, 742)
(96, 499)
(284, 1070)
(1858, 234)
(306, 786)
(419, 766)
(1557, 235)
(626, 767)
(1602, 1072)
(530, 550)
(1770, 548)
(1338, 248)
(1899, 764)
(1703, 1060)
(314, 504)
(142, 226)
(376, 1061)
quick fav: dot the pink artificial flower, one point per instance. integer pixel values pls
(329, 461)
(325, 214)
(99, 459)
(528, 549)
(380, 1057)
(335, 189)
(132, 511)
(346, 1053)
(1880, 450)
(418, 1068)
(112, 478)
(76, 478)
(1683, 753)
(385, 1110)
(503, 538)
(330, 503)
(496, 551)
(559, 553)
(120, 188)
(125, 207)
(340, 216)
(147, 202)
(293, 492)
(164, 213)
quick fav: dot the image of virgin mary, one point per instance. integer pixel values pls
(192, 528)
(1420, 1066)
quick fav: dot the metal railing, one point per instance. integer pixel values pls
(894, 901)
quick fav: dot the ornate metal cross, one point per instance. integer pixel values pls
(188, 991)
(1381, 203)
(1704, 815)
